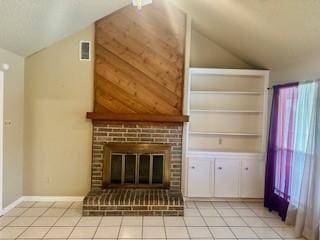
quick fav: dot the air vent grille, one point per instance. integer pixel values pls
(85, 50)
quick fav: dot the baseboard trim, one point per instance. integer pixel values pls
(53, 198)
(11, 206)
(212, 199)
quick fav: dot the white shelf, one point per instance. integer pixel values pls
(223, 111)
(226, 92)
(228, 110)
(215, 152)
(235, 72)
(226, 134)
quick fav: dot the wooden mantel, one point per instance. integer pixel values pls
(137, 117)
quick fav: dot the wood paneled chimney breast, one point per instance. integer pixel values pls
(139, 64)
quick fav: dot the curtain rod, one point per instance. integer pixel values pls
(300, 82)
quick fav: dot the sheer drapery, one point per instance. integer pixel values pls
(304, 203)
(285, 140)
(304, 135)
(280, 148)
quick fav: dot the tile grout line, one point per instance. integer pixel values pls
(73, 227)
(37, 217)
(55, 222)
(218, 216)
(95, 232)
(142, 229)
(120, 227)
(247, 225)
(187, 227)
(27, 227)
(58, 219)
(261, 217)
(164, 228)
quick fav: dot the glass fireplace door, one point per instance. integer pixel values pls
(137, 169)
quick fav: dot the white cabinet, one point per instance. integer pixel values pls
(252, 178)
(200, 178)
(227, 176)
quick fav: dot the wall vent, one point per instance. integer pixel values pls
(85, 50)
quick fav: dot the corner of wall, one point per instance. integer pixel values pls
(13, 126)
(207, 54)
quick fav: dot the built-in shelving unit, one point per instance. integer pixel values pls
(225, 139)
(227, 109)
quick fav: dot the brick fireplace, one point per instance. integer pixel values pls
(139, 69)
(126, 198)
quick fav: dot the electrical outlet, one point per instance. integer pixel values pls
(220, 141)
(7, 123)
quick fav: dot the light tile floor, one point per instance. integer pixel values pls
(202, 220)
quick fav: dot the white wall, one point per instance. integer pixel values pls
(306, 69)
(205, 53)
(58, 137)
(13, 132)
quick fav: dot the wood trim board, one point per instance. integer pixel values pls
(137, 117)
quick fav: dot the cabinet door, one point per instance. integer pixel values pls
(199, 178)
(252, 178)
(227, 176)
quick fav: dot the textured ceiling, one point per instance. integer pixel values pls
(265, 33)
(27, 26)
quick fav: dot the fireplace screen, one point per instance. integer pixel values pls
(138, 165)
(136, 168)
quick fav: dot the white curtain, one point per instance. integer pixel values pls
(304, 204)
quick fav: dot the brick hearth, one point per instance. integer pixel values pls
(133, 202)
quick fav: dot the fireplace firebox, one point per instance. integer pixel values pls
(136, 166)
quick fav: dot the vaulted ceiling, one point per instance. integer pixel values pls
(265, 33)
(27, 26)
